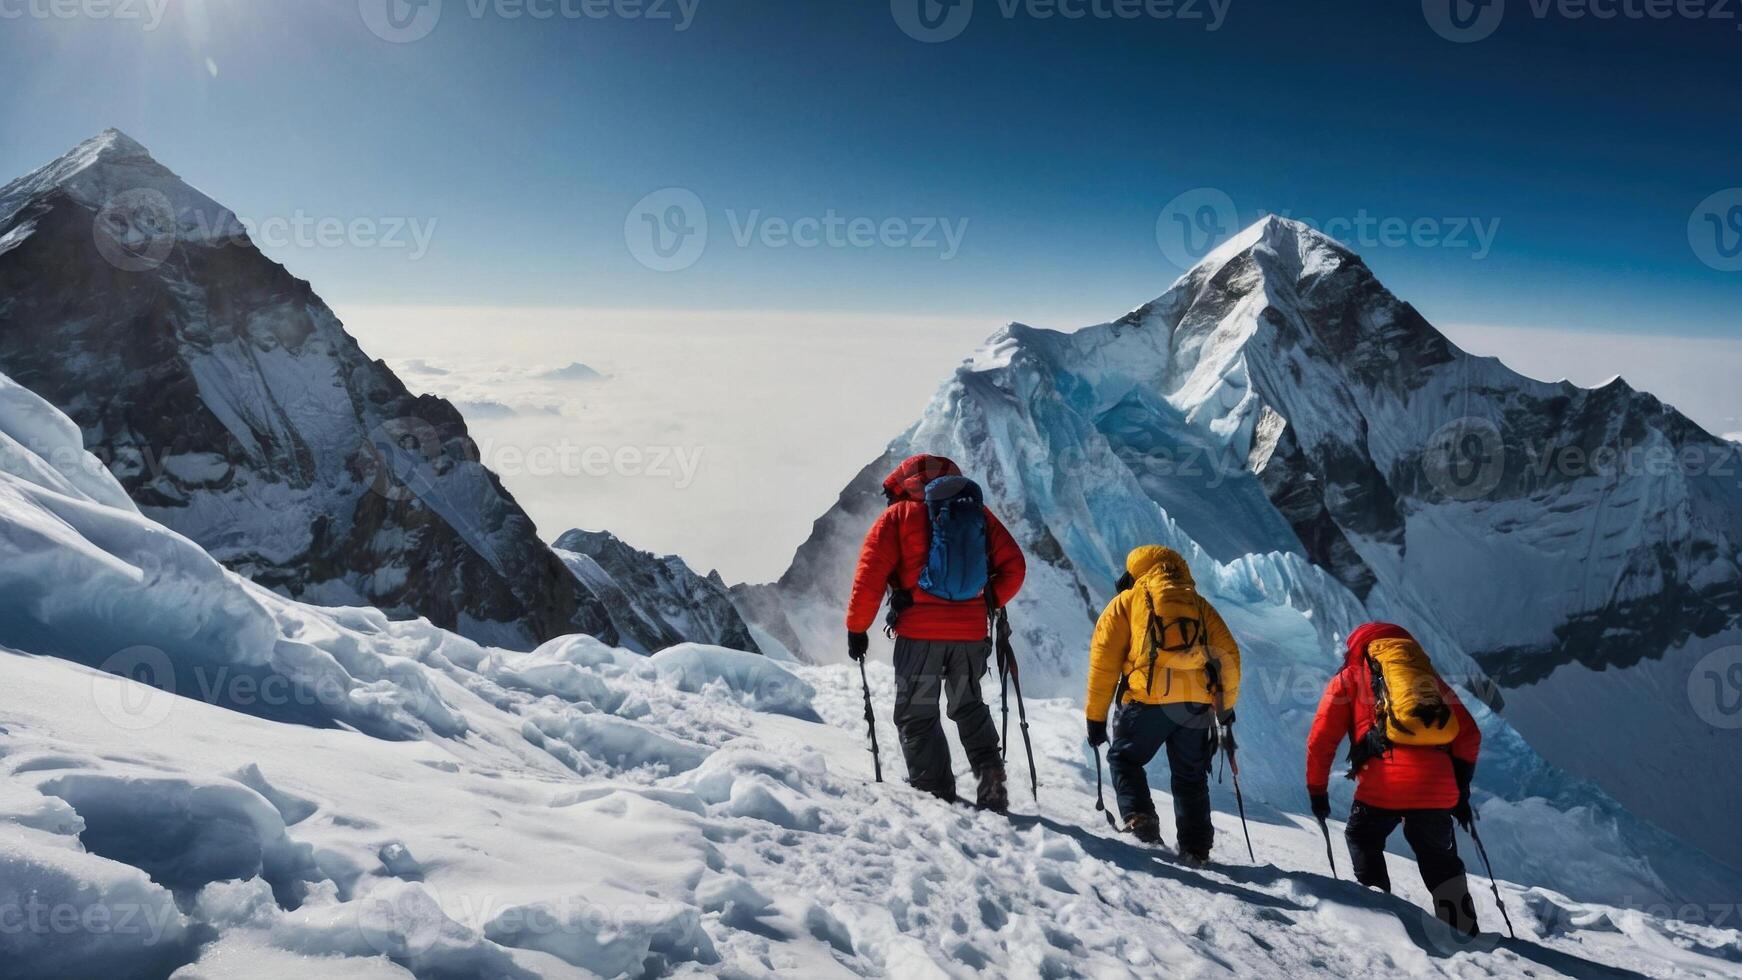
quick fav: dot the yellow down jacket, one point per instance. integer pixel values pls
(1192, 642)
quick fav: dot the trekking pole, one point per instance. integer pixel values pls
(1003, 709)
(1027, 746)
(1007, 656)
(1239, 801)
(870, 721)
(1325, 828)
(1491, 882)
(1100, 802)
(1225, 734)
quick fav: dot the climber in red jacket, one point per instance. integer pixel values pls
(1425, 788)
(941, 644)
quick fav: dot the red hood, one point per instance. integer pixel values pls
(1364, 635)
(909, 480)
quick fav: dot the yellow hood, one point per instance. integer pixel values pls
(1153, 559)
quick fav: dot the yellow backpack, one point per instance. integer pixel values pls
(1176, 644)
(1406, 688)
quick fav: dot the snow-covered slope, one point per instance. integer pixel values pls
(655, 601)
(1306, 439)
(583, 811)
(234, 408)
(434, 808)
(742, 843)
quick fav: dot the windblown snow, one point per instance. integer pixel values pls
(275, 789)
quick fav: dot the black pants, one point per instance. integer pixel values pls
(928, 672)
(1432, 834)
(1139, 732)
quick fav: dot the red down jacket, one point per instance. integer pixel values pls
(895, 551)
(1405, 778)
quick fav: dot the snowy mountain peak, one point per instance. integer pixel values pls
(1287, 246)
(109, 145)
(139, 199)
(1317, 448)
(231, 405)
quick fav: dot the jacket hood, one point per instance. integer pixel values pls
(1365, 635)
(909, 480)
(1153, 559)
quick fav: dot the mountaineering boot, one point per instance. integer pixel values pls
(1456, 909)
(993, 794)
(1146, 827)
(1196, 859)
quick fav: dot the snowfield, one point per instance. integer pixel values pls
(632, 828)
(280, 790)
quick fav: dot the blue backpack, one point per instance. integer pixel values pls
(957, 564)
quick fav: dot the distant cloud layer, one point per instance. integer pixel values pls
(721, 436)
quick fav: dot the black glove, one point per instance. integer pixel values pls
(1465, 773)
(1322, 806)
(857, 644)
(1227, 718)
(1097, 733)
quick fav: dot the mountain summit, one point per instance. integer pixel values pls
(234, 408)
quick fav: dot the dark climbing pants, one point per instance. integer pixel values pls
(1139, 732)
(928, 673)
(1432, 834)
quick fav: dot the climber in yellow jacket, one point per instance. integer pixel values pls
(1165, 655)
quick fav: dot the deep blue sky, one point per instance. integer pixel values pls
(529, 141)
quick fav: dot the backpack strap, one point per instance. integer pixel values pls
(1212, 664)
(1375, 742)
(900, 599)
(1154, 644)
